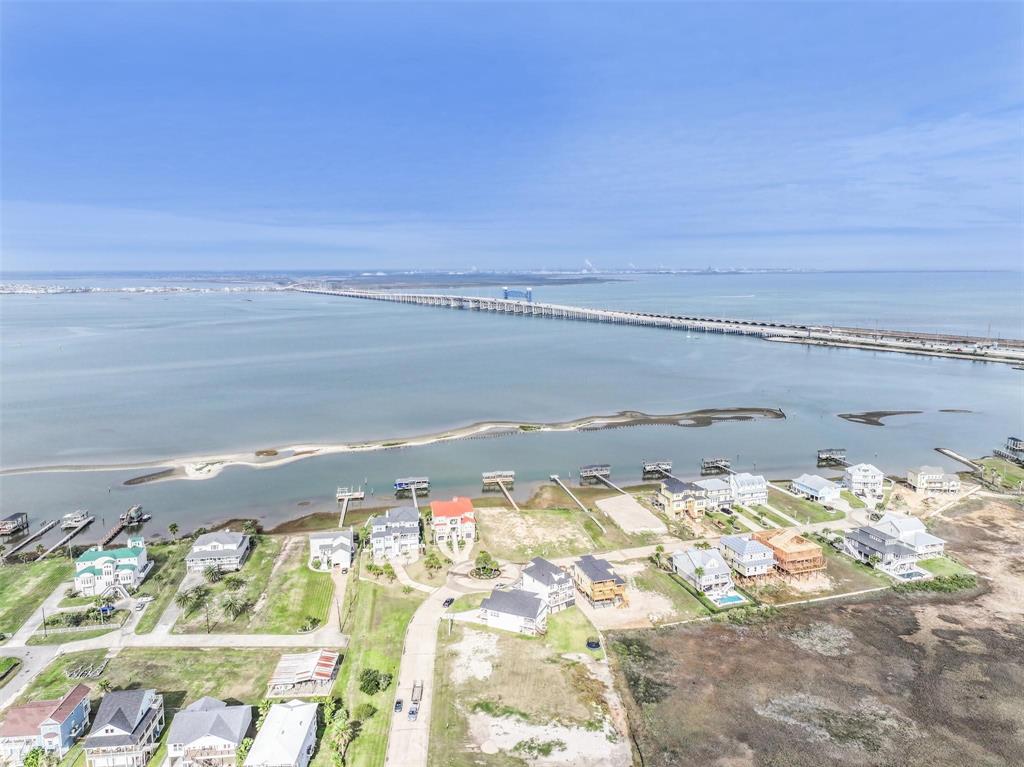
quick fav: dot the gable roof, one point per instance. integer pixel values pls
(864, 468)
(879, 540)
(281, 738)
(125, 710)
(125, 552)
(209, 716)
(342, 539)
(513, 602)
(815, 482)
(26, 719)
(710, 560)
(743, 479)
(677, 486)
(459, 506)
(787, 540)
(546, 572)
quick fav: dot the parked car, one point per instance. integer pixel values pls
(414, 711)
(448, 602)
(398, 705)
(145, 599)
(593, 643)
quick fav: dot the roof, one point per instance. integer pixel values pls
(928, 470)
(460, 506)
(597, 569)
(710, 560)
(229, 541)
(863, 468)
(745, 545)
(283, 734)
(745, 479)
(879, 540)
(815, 482)
(209, 716)
(396, 516)
(541, 570)
(713, 484)
(341, 539)
(513, 602)
(125, 710)
(676, 486)
(93, 555)
(315, 665)
(25, 720)
(16, 516)
(787, 540)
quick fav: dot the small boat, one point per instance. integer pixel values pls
(134, 516)
(74, 519)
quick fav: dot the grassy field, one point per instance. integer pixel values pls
(552, 497)
(467, 602)
(295, 592)
(39, 638)
(769, 514)
(8, 668)
(76, 601)
(24, 587)
(683, 602)
(568, 631)
(801, 509)
(162, 583)
(419, 572)
(943, 566)
(854, 501)
(726, 525)
(519, 536)
(377, 615)
(181, 675)
(256, 573)
(1010, 475)
(75, 757)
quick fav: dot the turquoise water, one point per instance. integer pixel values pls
(98, 378)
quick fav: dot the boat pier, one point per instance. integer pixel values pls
(345, 495)
(979, 348)
(14, 524)
(46, 527)
(709, 466)
(502, 481)
(1012, 451)
(656, 469)
(595, 472)
(413, 487)
(975, 468)
(558, 481)
(67, 538)
(832, 456)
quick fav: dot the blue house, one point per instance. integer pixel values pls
(53, 725)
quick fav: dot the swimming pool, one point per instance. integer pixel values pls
(728, 599)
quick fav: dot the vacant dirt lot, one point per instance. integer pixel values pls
(521, 535)
(894, 680)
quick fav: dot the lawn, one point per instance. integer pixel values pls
(568, 631)
(419, 572)
(769, 514)
(1009, 474)
(685, 604)
(854, 501)
(727, 525)
(8, 668)
(376, 616)
(51, 638)
(75, 757)
(944, 566)
(295, 593)
(466, 603)
(181, 675)
(24, 587)
(256, 574)
(76, 602)
(162, 583)
(801, 509)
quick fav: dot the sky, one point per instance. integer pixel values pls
(511, 136)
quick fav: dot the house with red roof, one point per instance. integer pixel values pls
(53, 725)
(453, 520)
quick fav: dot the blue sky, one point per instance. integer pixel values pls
(249, 136)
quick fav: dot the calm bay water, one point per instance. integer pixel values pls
(98, 378)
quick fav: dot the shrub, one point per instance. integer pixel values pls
(941, 584)
(364, 711)
(369, 681)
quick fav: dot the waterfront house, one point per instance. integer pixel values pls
(515, 610)
(748, 489)
(207, 733)
(881, 549)
(932, 479)
(395, 533)
(52, 725)
(126, 730)
(119, 571)
(453, 520)
(815, 488)
(304, 674)
(748, 557)
(548, 582)
(679, 497)
(287, 737)
(717, 491)
(224, 550)
(794, 554)
(332, 549)
(912, 532)
(705, 569)
(864, 480)
(596, 580)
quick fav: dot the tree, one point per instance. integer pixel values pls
(485, 565)
(39, 552)
(233, 582)
(105, 686)
(364, 711)
(33, 758)
(702, 545)
(242, 751)
(374, 570)
(173, 529)
(263, 708)
(233, 606)
(699, 572)
(433, 563)
(183, 599)
(874, 560)
(369, 681)
(251, 527)
(213, 574)
(389, 572)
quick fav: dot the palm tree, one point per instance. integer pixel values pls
(173, 529)
(105, 685)
(184, 600)
(213, 574)
(233, 606)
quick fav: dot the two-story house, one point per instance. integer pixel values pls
(53, 725)
(912, 532)
(333, 549)
(881, 549)
(395, 533)
(748, 557)
(223, 549)
(748, 489)
(515, 610)
(705, 569)
(207, 733)
(815, 488)
(718, 492)
(548, 582)
(126, 729)
(864, 480)
(287, 737)
(678, 497)
(453, 520)
(119, 571)
(932, 479)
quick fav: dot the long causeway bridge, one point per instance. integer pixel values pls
(906, 341)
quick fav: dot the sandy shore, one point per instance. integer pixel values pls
(207, 467)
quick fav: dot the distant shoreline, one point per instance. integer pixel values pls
(207, 467)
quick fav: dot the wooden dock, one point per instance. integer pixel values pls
(832, 456)
(501, 480)
(89, 520)
(47, 526)
(594, 472)
(608, 483)
(115, 531)
(558, 481)
(656, 469)
(709, 466)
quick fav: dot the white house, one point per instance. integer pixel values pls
(126, 730)
(815, 488)
(881, 549)
(287, 737)
(453, 520)
(515, 610)
(395, 533)
(677, 496)
(719, 492)
(749, 489)
(932, 479)
(207, 733)
(704, 568)
(748, 557)
(911, 531)
(332, 549)
(548, 582)
(864, 480)
(223, 549)
(114, 571)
